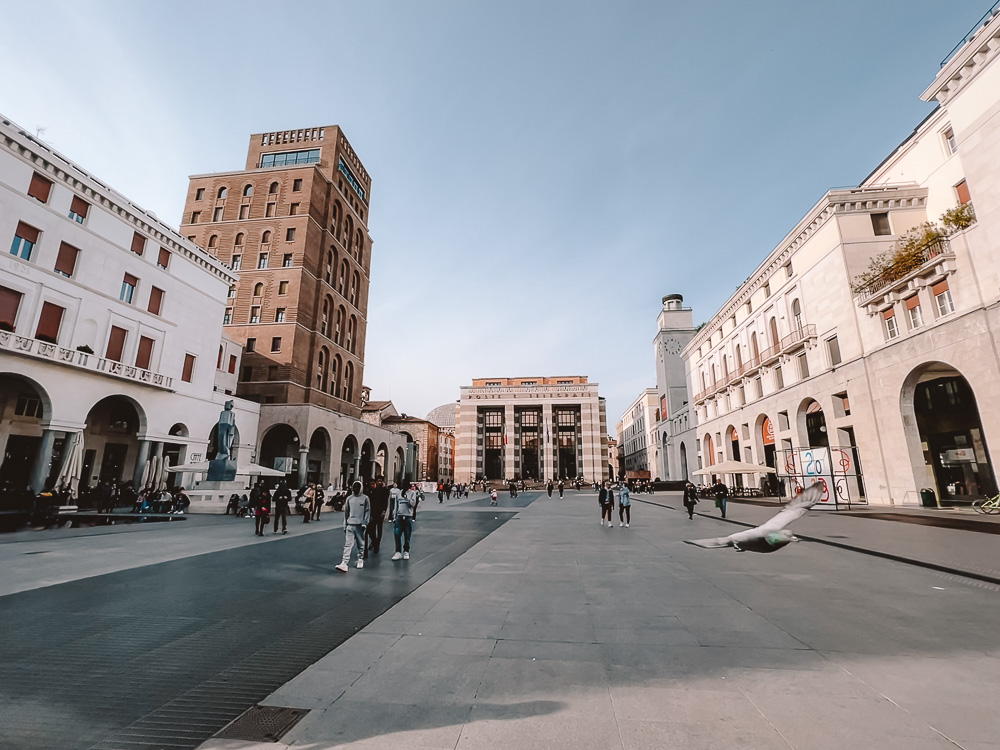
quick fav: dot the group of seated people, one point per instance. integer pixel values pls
(150, 500)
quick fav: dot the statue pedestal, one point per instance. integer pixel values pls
(213, 496)
(221, 470)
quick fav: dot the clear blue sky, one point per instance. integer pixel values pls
(543, 172)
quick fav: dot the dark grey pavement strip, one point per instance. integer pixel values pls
(165, 655)
(869, 549)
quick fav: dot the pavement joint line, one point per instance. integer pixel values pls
(986, 578)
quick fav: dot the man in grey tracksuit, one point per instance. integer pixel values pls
(357, 514)
(402, 509)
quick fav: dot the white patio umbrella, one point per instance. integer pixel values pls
(145, 474)
(72, 466)
(258, 470)
(195, 468)
(154, 469)
(733, 467)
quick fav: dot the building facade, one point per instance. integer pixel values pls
(675, 432)
(110, 329)
(881, 378)
(532, 429)
(293, 227)
(613, 474)
(637, 450)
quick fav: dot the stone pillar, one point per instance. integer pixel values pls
(303, 465)
(43, 459)
(140, 464)
(357, 470)
(508, 449)
(158, 449)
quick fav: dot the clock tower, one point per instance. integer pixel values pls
(675, 329)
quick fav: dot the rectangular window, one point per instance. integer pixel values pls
(293, 210)
(49, 322)
(251, 345)
(282, 288)
(138, 243)
(891, 329)
(237, 263)
(276, 344)
(155, 300)
(247, 373)
(279, 315)
(880, 223)
(129, 283)
(255, 314)
(287, 158)
(296, 185)
(232, 291)
(950, 143)
(40, 188)
(779, 379)
(195, 216)
(286, 261)
(942, 298)
(199, 194)
(10, 301)
(803, 367)
(188, 372)
(116, 344)
(962, 191)
(269, 209)
(78, 209)
(145, 354)
(163, 259)
(25, 239)
(767, 290)
(232, 364)
(227, 317)
(245, 211)
(833, 348)
(262, 260)
(66, 260)
(272, 372)
(913, 311)
(290, 234)
(217, 214)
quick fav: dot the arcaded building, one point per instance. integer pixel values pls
(531, 428)
(293, 226)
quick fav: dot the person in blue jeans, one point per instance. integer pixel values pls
(401, 512)
(624, 505)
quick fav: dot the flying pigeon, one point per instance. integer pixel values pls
(769, 536)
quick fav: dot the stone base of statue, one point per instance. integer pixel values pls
(213, 496)
(221, 470)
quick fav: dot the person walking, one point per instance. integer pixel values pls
(380, 504)
(440, 492)
(401, 512)
(721, 493)
(282, 500)
(357, 514)
(690, 499)
(561, 487)
(493, 496)
(549, 488)
(261, 510)
(318, 497)
(624, 505)
(602, 500)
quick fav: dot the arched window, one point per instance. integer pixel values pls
(218, 365)
(335, 376)
(324, 321)
(359, 243)
(239, 240)
(328, 275)
(273, 189)
(322, 377)
(342, 283)
(258, 289)
(355, 283)
(725, 367)
(248, 191)
(213, 241)
(338, 331)
(797, 315)
(348, 233)
(739, 358)
(338, 214)
(352, 339)
(774, 332)
(754, 351)
(223, 192)
(265, 238)
(349, 382)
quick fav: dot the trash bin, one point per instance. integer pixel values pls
(927, 498)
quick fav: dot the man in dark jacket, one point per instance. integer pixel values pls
(282, 501)
(379, 495)
(261, 508)
(690, 498)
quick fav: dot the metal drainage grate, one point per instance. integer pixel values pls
(262, 724)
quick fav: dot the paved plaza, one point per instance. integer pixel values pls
(521, 626)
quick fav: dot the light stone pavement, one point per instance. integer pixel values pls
(554, 632)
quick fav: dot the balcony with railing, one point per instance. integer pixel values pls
(797, 338)
(922, 262)
(11, 343)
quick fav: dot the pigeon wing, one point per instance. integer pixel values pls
(794, 510)
(722, 541)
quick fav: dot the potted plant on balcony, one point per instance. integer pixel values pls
(958, 218)
(907, 255)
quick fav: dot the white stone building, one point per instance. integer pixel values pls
(675, 432)
(110, 326)
(638, 455)
(890, 387)
(531, 428)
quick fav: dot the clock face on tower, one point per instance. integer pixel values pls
(672, 346)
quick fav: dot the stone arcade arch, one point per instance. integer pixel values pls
(350, 461)
(399, 463)
(684, 462)
(111, 440)
(279, 449)
(940, 403)
(367, 461)
(318, 466)
(382, 462)
(25, 408)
